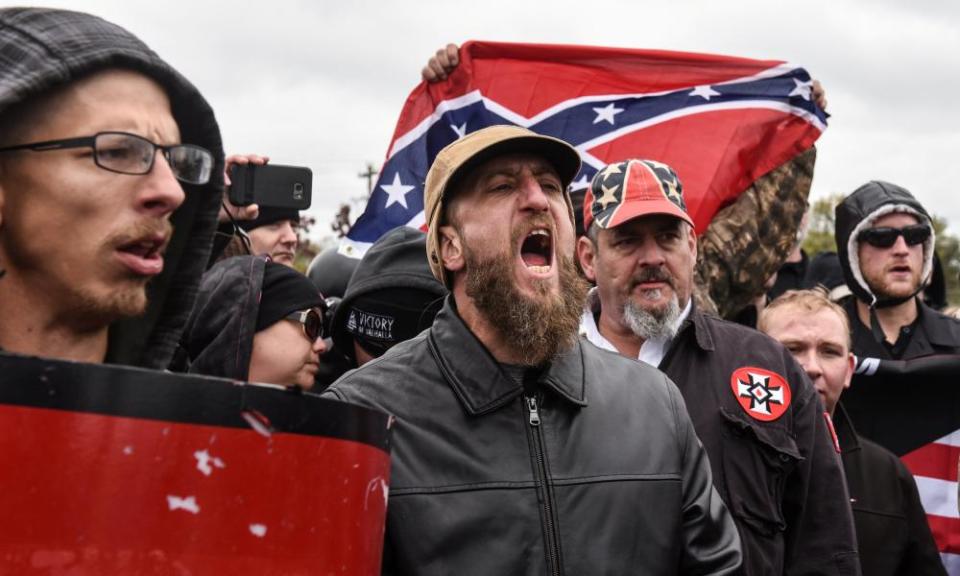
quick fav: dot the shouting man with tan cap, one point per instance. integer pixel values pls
(765, 431)
(518, 448)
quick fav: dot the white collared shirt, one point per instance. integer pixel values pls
(652, 350)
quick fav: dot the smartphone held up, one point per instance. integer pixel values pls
(271, 185)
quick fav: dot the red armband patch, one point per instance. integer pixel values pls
(763, 395)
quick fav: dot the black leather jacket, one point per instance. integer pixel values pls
(597, 471)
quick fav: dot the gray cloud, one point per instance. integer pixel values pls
(322, 83)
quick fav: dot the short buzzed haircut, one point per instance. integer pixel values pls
(806, 301)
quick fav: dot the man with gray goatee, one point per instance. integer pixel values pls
(759, 418)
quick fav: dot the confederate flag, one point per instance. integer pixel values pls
(720, 122)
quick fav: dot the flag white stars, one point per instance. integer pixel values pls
(606, 113)
(396, 191)
(802, 89)
(704, 92)
(580, 183)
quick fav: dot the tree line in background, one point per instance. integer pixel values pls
(820, 238)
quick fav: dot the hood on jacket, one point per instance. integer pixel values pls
(42, 49)
(859, 211)
(935, 292)
(330, 272)
(239, 297)
(397, 261)
(219, 336)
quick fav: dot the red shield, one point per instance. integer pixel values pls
(763, 395)
(114, 470)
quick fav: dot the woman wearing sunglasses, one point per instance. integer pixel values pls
(256, 320)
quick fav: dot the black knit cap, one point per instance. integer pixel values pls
(392, 295)
(269, 215)
(378, 320)
(284, 291)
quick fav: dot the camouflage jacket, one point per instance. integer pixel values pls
(750, 239)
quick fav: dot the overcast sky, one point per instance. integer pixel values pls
(321, 84)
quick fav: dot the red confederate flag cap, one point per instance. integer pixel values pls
(630, 189)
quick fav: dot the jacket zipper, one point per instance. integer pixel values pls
(552, 544)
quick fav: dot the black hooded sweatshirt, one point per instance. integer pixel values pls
(219, 336)
(42, 49)
(398, 260)
(933, 333)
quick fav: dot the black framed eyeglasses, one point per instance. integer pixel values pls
(311, 321)
(127, 153)
(885, 236)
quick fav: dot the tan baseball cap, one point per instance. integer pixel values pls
(455, 161)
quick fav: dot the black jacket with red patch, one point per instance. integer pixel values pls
(775, 462)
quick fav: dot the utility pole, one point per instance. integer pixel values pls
(341, 221)
(369, 174)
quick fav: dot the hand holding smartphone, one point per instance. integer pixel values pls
(271, 185)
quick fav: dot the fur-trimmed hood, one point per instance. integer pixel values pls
(859, 211)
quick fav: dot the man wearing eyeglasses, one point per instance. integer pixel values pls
(110, 181)
(885, 241)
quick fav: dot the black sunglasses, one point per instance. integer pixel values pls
(127, 153)
(311, 321)
(885, 236)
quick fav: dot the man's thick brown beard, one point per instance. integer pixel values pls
(538, 329)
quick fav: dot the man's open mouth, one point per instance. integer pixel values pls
(536, 251)
(144, 255)
(900, 269)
